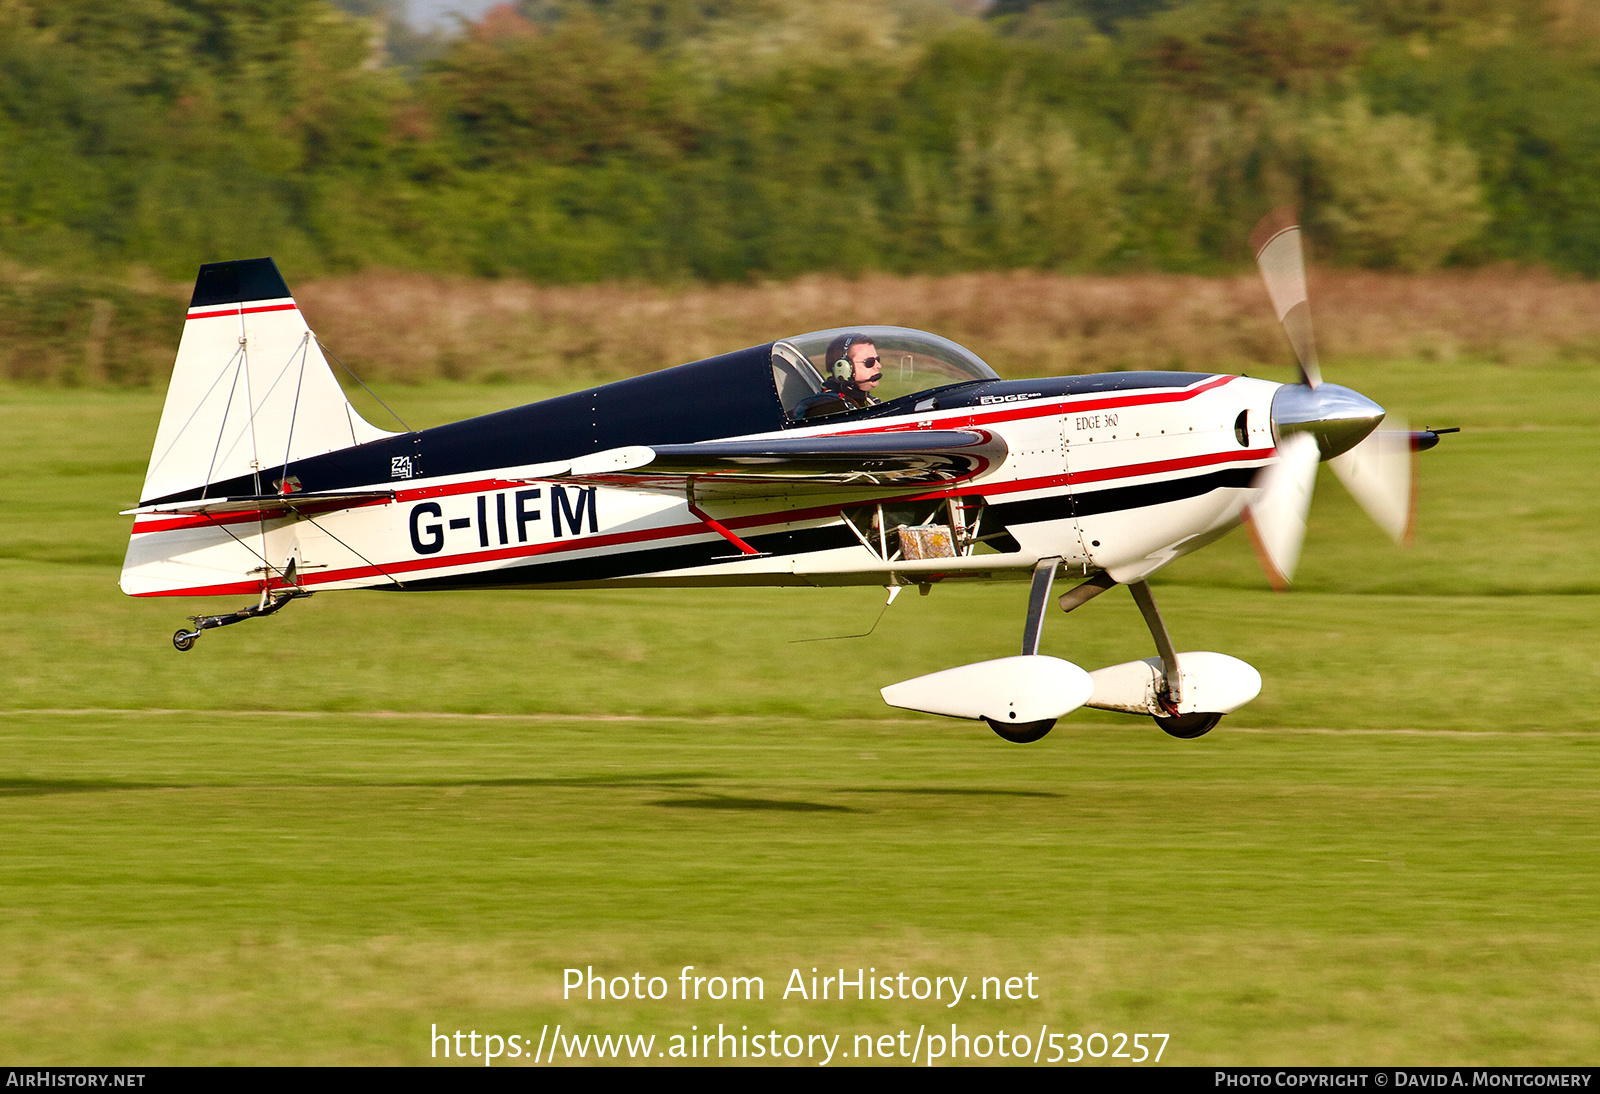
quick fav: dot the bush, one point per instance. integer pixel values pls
(1392, 193)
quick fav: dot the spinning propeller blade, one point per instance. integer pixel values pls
(1276, 518)
(1380, 474)
(1276, 242)
(1313, 421)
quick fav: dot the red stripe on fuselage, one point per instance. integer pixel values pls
(251, 515)
(1051, 405)
(240, 311)
(473, 558)
(208, 520)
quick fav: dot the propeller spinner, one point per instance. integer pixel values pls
(1314, 421)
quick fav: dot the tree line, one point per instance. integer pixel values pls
(580, 140)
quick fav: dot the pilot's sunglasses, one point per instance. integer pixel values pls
(868, 361)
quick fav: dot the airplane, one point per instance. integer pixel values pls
(863, 455)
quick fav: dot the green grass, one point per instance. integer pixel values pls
(315, 836)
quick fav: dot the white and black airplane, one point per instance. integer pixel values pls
(866, 455)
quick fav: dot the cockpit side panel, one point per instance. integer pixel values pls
(718, 397)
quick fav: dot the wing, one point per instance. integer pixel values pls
(907, 459)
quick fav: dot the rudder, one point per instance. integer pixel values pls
(251, 391)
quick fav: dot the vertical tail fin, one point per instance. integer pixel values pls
(250, 392)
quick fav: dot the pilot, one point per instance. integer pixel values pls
(851, 371)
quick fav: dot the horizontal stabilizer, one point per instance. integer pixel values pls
(265, 504)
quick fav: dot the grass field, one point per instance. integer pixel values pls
(316, 836)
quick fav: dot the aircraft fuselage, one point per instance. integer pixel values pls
(1119, 473)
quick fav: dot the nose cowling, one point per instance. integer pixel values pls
(1336, 416)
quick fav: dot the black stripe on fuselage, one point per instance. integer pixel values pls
(1067, 506)
(655, 560)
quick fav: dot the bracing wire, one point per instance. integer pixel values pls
(363, 384)
(840, 637)
(270, 568)
(223, 428)
(294, 413)
(312, 521)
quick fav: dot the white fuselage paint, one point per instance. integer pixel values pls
(1078, 445)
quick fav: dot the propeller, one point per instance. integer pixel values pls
(1380, 473)
(1315, 421)
(1276, 518)
(1276, 242)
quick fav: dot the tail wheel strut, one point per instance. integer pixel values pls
(183, 640)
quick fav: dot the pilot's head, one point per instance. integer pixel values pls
(852, 361)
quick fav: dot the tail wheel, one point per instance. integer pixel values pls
(1185, 727)
(183, 641)
(1022, 733)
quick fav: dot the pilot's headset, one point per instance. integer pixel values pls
(841, 369)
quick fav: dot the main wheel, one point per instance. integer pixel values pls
(183, 641)
(1021, 733)
(1186, 727)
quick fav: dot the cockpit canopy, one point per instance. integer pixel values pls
(912, 361)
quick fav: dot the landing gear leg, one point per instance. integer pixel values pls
(1172, 689)
(1183, 726)
(1044, 575)
(1080, 595)
(184, 640)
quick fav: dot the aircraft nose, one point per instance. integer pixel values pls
(1337, 416)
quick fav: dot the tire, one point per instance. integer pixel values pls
(1186, 727)
(1021, 733)
(183, 641)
